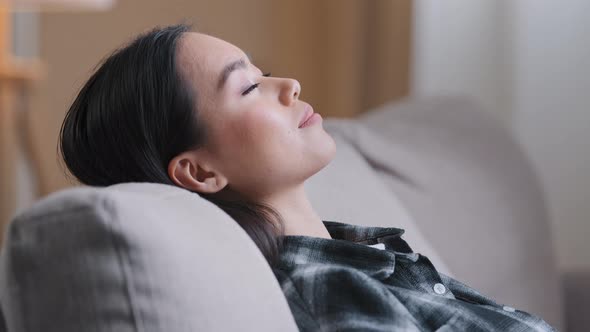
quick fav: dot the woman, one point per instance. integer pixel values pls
(190, 110)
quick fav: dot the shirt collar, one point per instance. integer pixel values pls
(348, 246)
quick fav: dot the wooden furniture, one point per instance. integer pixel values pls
(16, 78)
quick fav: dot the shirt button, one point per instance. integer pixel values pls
(439, 288)
(509, 309)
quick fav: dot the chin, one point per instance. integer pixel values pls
(323, 152)
(331, 147)
(326, 154)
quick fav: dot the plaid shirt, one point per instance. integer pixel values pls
(369, 279)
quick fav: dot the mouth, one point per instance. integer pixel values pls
(306, 115)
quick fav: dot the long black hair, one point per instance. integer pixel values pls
(134, 114)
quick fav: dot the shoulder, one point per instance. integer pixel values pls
(342, 298)
(318, 284)
(308, 274)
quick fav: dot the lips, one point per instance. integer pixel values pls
(306, 115)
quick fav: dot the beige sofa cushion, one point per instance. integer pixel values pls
(474, 195)
(349, 190)
(135, 257)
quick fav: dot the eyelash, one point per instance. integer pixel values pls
(254, 86)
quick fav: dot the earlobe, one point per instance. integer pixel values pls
(186, 171)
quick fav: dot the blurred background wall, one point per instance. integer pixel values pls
(526, 62)
(552, 112)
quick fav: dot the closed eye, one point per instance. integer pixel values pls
(253, 86)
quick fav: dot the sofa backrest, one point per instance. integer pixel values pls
(135, 257)
(474, 194)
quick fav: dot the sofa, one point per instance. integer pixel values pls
(154, 257)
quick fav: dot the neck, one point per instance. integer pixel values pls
(298, 215)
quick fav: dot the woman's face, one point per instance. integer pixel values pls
(254, 141)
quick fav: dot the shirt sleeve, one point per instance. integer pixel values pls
(339, 298)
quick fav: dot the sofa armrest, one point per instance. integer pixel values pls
(576, 286)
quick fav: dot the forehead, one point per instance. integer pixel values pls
(202, 57)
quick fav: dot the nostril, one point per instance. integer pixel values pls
(297, 89)
(290, 91)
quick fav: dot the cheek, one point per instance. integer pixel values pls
(262, 129)
(262, 138)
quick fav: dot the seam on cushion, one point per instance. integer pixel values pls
(16, 226)
(21, 226)
(111, 223)
(7, 252)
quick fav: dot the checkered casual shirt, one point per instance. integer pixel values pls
(369, 279)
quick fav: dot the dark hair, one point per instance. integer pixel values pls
(134, 114)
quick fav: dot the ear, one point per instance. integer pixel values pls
(189, 170)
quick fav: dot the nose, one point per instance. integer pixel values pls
(290, 91)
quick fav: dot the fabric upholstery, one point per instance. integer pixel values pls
(135, 257)
(470, 189)
(348, 190)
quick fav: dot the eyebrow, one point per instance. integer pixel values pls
(230, 68)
